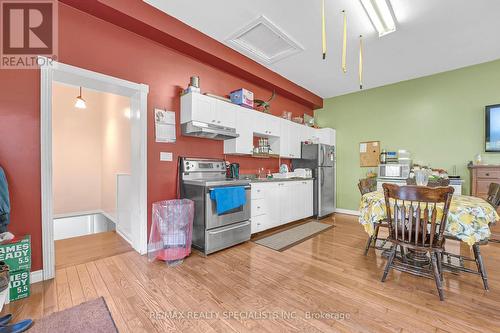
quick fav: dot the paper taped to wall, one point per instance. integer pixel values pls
(165, 126)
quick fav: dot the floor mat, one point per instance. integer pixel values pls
(286, 239)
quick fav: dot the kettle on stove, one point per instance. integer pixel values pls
(233, 170)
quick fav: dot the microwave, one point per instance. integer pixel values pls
(394, 171)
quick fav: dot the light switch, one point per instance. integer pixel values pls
(165, 157)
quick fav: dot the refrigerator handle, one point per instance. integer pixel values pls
(322, 155)
(321, 176)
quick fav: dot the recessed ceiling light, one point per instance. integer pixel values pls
(381, 15)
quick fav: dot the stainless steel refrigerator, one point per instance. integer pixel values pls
(320, 159)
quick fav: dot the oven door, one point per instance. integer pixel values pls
(240, 214)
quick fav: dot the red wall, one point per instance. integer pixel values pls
(96, 45)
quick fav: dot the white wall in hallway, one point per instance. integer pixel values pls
(90, 147)
(74, 226)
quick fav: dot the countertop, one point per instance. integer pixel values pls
(274, 180)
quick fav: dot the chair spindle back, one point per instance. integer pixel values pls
(417, 214)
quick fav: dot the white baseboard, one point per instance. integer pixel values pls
(347, 211)
(36, 276)
(122, 235)
(110, 217)
(74, 214)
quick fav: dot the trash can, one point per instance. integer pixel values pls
(171, 231)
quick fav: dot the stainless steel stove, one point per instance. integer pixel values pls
(213, 232)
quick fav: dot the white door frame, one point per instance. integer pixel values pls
(53, 71)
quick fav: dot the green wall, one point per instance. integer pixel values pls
(438, 118)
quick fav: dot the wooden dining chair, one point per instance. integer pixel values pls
(493, 199)
(415, 224)
(368, 185)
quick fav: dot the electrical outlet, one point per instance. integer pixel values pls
(166, 157)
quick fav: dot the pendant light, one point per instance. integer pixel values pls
(360, 61)
(80, 102)
(344, 44)
(323, 28)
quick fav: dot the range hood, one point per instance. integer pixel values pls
(208, 131)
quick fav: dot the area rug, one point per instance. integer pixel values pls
(286, 239)
(92, 316)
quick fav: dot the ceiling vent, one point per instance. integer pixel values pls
(263, 41)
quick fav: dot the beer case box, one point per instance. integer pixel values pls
(19, 285)
(16, 253)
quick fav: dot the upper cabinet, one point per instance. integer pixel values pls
(226, 113)
(198, 107)
(326, 136)
(290, 139)
(244, 143)
(264, 124)
(285, 137)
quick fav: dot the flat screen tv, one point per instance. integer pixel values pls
(492, 131)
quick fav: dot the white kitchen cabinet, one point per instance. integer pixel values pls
(309, 134)
(226, 113)
(205, 109)
(308, 186)
(290, 139)
(273, 197)
(264, 124)
(326, 136)
(197, 107)
(285, 206)
(278, 203)
(243, 144)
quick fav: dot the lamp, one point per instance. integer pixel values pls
(80, 102)
(381, 15)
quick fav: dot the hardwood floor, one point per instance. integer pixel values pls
(252, 288)
(83, 249)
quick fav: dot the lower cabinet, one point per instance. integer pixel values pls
(278, 203)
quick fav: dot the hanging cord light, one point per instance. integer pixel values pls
(360, 61)
(344, 44)
(323, 28)
(80, 102)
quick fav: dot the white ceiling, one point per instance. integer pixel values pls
(433, 36)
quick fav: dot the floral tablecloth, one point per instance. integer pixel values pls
(468, 217)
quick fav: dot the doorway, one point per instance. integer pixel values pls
(99, 188)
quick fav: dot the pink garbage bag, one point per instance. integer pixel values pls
(171, 230)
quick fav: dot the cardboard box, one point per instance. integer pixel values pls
(19, 286)
(242, 97)
(17, 253)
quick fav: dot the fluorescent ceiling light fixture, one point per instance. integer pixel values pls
(80, 102)
(381, 15)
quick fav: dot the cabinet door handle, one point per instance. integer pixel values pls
(258, 207)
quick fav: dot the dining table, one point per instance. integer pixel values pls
(469, 218)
